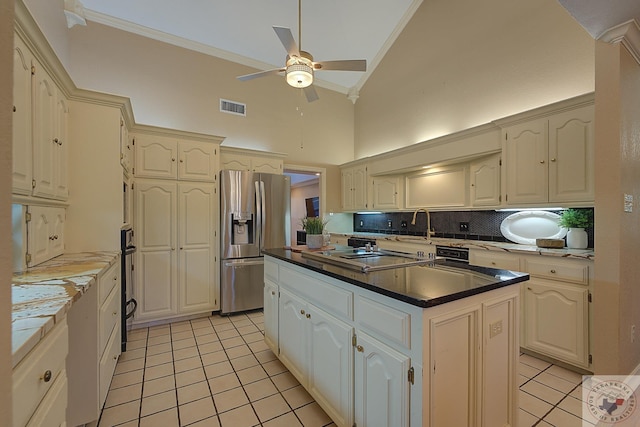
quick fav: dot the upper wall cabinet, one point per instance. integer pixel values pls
(484, 181)
(387, 192)
(168, 158)
(249, 160)
(40, 129)
(438, 187)
(354, 188)
(550, 160)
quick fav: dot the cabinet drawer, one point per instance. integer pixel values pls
(109, 317)
(108, 364)
(384, 321)
(494, 259)
(321, 294)
(53, 409)
(565, 270)
(29, 385)
(108, 281)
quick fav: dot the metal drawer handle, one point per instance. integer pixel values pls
(47, 376)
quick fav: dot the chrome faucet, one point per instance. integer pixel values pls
(430, 232)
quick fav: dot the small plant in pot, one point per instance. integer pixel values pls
(576, 220)
(314, 226)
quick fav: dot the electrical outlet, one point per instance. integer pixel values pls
(464, 226)
(389, 224)
(403, 224)
(361, 223)
(628, 202)
(495, 328)
(633, 333)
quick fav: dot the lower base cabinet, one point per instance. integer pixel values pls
(361, 354)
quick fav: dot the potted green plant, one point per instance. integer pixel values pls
(575, 221)
(314, 226)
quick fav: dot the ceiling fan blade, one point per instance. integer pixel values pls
(260, 74)
(289, 43)
(311, 93)
(342, 65)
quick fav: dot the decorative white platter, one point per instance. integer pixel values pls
(526, 226)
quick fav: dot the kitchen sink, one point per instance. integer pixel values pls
(365, 261)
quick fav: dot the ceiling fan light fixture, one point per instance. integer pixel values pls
(299, 75)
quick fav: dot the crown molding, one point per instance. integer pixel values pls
(628, 34)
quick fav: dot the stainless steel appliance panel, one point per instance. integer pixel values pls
(255, 214)
(243, 285)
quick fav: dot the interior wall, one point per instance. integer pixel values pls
(176, 88)
(616, 294)
(298, 206)
(462, 63)
(6, 102)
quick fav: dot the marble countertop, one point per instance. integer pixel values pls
(587, 254)
(42, 295)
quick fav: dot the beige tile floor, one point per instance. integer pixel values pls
(218, 372)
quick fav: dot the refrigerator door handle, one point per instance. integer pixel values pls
(243, 263)
(263, 209)
(259, 218)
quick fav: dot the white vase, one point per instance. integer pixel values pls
(577, 238)
(315, 241)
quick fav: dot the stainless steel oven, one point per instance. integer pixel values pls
(129, 303)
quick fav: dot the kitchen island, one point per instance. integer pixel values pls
(429, 345)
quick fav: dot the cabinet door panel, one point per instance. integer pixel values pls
(331, 365)
(526, 157)
(61, 147)
(22, 145)
(197, 161)
(382, 389)
(485, 182)
(556, 321)
(293, 350)
(386, 193)
(266, 165)
(156, 212)
(571, 161)
(437, 187)
(453, 370)
(43, 145)
(271, 315)
(347, 189)
(57, 220)
(155, 284)
(39, 233)
(156, 158)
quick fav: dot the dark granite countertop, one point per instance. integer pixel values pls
(426, 285)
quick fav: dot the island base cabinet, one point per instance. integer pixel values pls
(556, 321)
(271, 315)
(293, 350)
(381, 387)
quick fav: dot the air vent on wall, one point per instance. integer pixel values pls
(233, 107)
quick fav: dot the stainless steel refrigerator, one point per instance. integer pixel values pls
(254, 215)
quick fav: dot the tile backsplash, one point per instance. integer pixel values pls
(482, 225)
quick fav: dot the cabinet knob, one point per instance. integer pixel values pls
(493, 263)
(46, 376)
(528, 288)
(553, 160)
(173, 249)
(173, 159)
(115, 313)
(302, 312)
(308, 316)
(181, 161)
(541, 161)
(360, 348)
(273, 292)
(55, 237)
(14, 108)
(552, 271)
(115, 357)
(51, 238)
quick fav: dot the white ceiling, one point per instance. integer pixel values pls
(597, 16)
(241, 30)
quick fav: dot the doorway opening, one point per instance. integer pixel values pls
(307, 197)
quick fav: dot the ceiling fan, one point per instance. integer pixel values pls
(299, 65)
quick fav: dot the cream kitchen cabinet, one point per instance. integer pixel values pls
(387, 192)
(438, 187)
(126, 148)
(249, 160)
(555, 303)
(45, 233)
(176, 261)
(354, 182)
(40, 129)
(22, 154)
(168, 158)
(94, 346)
(271, 311)
(484, 177)
(40, 382)
(550, 160)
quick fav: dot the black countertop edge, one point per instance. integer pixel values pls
(319, 267)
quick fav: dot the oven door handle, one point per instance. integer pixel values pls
(129, 250)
